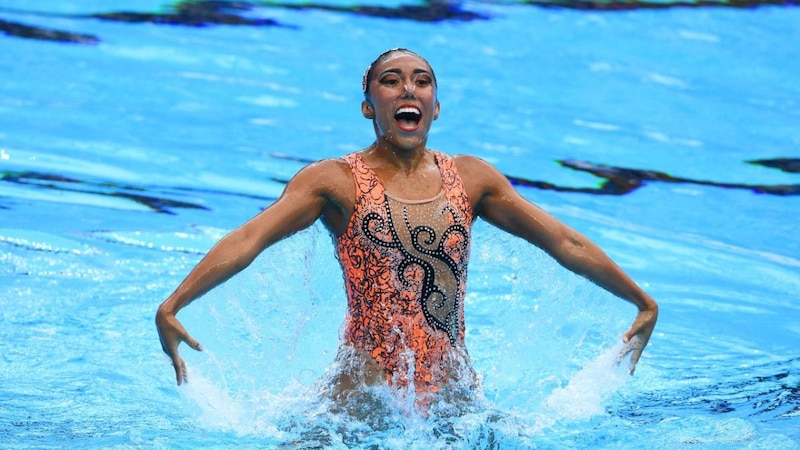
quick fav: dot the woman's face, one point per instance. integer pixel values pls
(402, 100)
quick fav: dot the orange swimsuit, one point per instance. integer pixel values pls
(405, 271)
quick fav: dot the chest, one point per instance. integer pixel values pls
(419, 185)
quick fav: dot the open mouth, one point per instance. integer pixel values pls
(408, 118)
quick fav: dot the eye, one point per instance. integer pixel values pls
(423, 81)
(390, 81)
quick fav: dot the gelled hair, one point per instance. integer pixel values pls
(367, 78)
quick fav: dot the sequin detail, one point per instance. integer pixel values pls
(405, 265)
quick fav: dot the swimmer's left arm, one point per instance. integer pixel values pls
(494, 199)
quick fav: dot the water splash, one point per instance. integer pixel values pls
(588, 392)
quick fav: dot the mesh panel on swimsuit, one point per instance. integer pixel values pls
(405, 265)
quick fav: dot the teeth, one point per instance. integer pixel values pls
(408, 110)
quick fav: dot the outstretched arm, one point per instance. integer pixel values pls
(495, 200)
(304, 200)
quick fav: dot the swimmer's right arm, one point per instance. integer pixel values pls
(303, 201)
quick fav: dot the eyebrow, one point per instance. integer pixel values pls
(400, 72)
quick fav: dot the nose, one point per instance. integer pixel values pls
(410, 88)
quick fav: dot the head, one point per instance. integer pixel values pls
(400, 98)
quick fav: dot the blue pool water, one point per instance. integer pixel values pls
(125, 157)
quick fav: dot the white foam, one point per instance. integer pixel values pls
(586, 393)
(248, 413)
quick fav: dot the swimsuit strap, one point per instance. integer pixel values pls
(368, 183)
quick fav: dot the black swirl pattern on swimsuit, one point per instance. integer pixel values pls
(420, 248)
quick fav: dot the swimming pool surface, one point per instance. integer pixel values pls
(130, 143)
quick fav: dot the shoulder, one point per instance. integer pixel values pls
(474, 170)
(323, 172)
(328, 165)
(481, 180)
(470, 163)
(330, 180)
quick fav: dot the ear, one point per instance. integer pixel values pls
(367, 110)
(436, 110)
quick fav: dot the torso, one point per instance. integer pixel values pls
(405, 264)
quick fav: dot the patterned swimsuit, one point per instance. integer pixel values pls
(405, 267)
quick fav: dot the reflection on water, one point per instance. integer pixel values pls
(202, 13)
(616, 181)
(791, 165)
(627, 5)
(22, 30)
(155, 198)
(766, 393)
(193, 14)
(619, 181)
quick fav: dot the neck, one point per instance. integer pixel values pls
(404, 159)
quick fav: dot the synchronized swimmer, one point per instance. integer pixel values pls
(401, 215)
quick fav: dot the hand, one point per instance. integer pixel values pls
(635, 340)
(171, 333)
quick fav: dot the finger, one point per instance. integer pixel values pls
(180, 369)
(635, 354)
(634, 347)
(192, 342)
(184, 336)
(623, 353)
